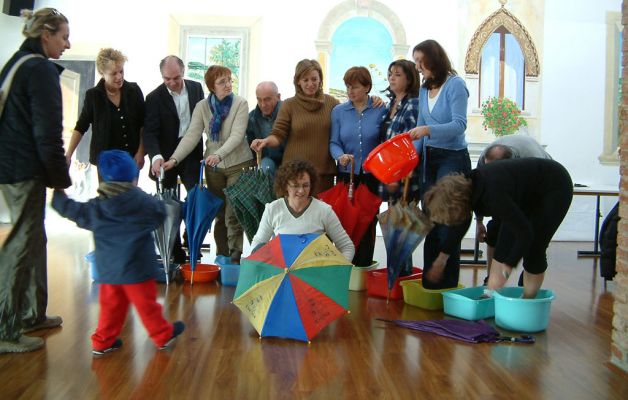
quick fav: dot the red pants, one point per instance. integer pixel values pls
(114, 305)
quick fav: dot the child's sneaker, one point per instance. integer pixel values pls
(115, 346)
(177, 328)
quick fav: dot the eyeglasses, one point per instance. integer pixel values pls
(305, 186)
(224, 82)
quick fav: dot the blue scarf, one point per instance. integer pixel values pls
(220, 109)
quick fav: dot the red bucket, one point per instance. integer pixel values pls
(392, 160)
(202, 273)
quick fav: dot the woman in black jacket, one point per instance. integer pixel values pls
(530, 196)
(31, 158)
(115, 110)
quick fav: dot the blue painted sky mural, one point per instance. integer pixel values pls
(360, 41)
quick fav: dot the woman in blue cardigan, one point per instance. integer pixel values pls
(441, 134)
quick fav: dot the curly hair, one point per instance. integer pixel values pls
(448, 201)
(108, 57)
(292, 171)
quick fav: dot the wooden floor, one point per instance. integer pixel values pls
(220, 356)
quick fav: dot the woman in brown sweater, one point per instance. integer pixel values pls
(304, 124)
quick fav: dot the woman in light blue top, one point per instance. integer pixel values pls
(441, 137)
(354, 133)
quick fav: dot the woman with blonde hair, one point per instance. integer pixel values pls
(530, 196)
(31, 159)
(223, 116)
(115, 110)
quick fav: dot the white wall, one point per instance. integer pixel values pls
(571, 50)
(573, 89)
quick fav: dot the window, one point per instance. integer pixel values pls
(206, 47)
(502, 68)
(612, 103)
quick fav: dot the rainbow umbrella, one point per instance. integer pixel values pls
(293, 286)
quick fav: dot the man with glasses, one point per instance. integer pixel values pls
(168, 113)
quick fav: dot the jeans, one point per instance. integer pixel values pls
(439, 163)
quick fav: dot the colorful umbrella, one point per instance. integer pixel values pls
(355, 208)
(165, 234)
(199, 210)
(294, 286)
(404, 226)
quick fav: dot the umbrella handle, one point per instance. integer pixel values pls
(350, 194)
(406, 186)
(258, 155)
(200, 177)
(160, 179)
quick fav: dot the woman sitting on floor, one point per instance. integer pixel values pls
(296, 212)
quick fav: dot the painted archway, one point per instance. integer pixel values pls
(502, 17)
(362, 8)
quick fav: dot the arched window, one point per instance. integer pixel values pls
(360, 41)
(353, 33)
(502, 68)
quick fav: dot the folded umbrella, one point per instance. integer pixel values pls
(165, 234)
(404, 226)
(355, 208)
(466, 331)
(199, 210)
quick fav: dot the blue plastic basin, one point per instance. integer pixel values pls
(522, 315)
(466, 304)
(229, 273)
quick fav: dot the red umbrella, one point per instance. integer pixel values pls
(355, 209)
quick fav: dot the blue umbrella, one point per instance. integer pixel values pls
(403, 227)
(199, 210)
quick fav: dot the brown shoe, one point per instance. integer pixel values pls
(23, 345)
(50, 322)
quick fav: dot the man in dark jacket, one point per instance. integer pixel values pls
(31, 158)
(261, 121)
(169, 110)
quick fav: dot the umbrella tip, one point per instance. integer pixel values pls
(348, 311)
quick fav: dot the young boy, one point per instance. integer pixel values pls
(122, 219)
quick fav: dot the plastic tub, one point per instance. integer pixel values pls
(357, 281)
(377, 283)
(416, 295)
(229, 273)
(392, 160)
(202, 273)
(522, 315)
(466, 304)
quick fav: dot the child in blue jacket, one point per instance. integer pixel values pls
(122, 219)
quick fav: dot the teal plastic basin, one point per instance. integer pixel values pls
(466, 304)
(522, 315)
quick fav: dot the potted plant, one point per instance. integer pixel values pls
(502, 116)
